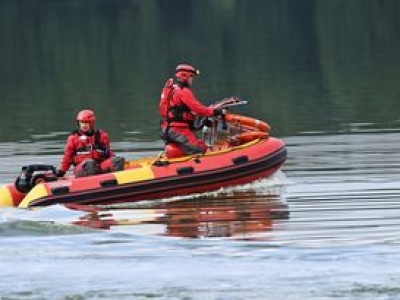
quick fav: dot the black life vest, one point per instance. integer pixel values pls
(97, 145)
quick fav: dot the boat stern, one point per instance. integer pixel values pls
(10, 196)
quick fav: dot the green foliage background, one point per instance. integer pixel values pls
(305, 65)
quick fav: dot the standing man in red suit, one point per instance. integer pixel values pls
(88, 149)
(178, 107)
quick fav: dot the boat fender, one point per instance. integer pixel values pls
(185, 170)
(109, 183)
(61, 190)
(240, 159)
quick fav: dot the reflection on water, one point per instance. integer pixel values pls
(337, 188)
(353, 215)
(351, 157)
(326, 227)
(239, 215)
(345, 189)
(307, 65)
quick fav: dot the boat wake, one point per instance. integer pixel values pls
(62, 220)
(39, 228)
(271, 185)
(53, 220)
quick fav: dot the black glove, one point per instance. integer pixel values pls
(60, 173)
(218, 111)
(207, 123)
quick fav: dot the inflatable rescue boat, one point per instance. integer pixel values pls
(240, 151)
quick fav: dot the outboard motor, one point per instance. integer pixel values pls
(34, 174)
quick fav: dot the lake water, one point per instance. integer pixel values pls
(324, 227)
(324, 74)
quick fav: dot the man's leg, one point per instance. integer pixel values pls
(86, 168)
(187, 140)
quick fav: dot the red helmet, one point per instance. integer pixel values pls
(86, 115)
(184, 71)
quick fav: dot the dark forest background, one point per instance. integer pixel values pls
(304, 65)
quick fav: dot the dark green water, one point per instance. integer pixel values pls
(309, 65)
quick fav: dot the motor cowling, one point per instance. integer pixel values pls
(33, 174)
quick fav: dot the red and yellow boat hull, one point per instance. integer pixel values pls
(154, 178)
